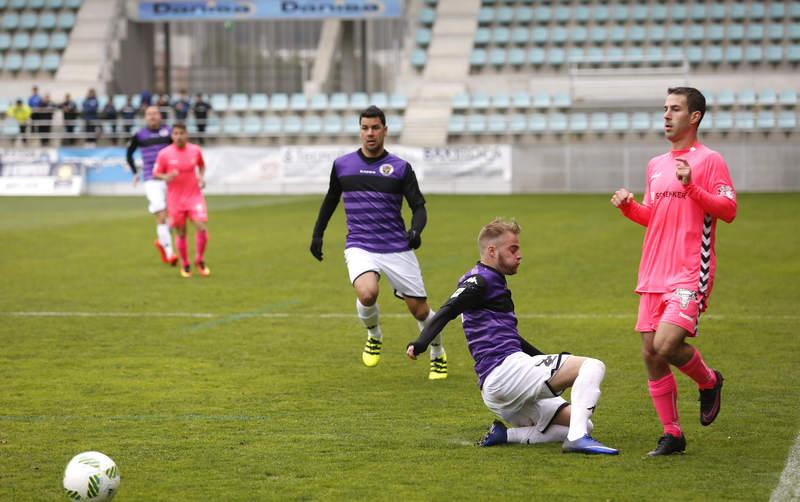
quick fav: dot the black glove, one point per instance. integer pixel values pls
(316, 247)
(414, 239)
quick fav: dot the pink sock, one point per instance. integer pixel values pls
(180, 243)
(200, 241)
(664, 393)
(697, 370)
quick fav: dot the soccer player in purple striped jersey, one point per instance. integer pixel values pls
(150, 140)
(373, 183)
(518, 382)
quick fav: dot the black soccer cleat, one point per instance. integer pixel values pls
(710, 401)
(669, 444)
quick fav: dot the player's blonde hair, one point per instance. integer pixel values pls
(494, 230)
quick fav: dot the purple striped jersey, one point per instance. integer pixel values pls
(373, 190)
(150, 142)
(489, 322)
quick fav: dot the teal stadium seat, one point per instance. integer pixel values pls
(292, 125)
(537, 122)
(696, 33)
(787, 120)
(717, 11)
(794, 11)
(678, 13)
(735, 32)
(59, 41)
(279, 102)
(774, 32)
(395, 123)
(559, 35)
(232, 125)
(36, 4)
(745, 120)
(380, 99)
(768, 97)
(119, 100)
(793, 54)
(398, 101)
(359, 101)
(66, 21)
(457, 124)
(754, 54)
(523, 16)
(419, 58)
(485, 16)
(618, 35)
(21, 41)
(674, 55)
(746, 97)
(47, 21)
(423, 37)
(460, 101)
(476, 123)
(595, 56)
(501, 36)
(497, 57)
(599, 122)
(312, 125)
(637, 34)
(319, 102)
(40, 41)
(765, 119)
(504, 15)
(478, 58)
(556, 56)
(620, 13)
(774, 54)
(576, 55)
(272, 126)
(252, 126)
(540, 35)
(501, 101)
(521, 100)
(219, 102)
(332, 125)
(723, 120)
(715, 33)
(259, 102)
(578, 122)
(598, 35)
(658, 13)
(620, 122)
(32, 63)
(557, 122)
(73, 4)
(17, 4)
(634, 55)
(427, 17)
(239, 102)
(497, 124)
(615, 56)
(55, 4)
(734, 54)
(697, 13)
(541, 100)
(338, 102)
(737, 12)
(482, 37)
(479, 101)
(657, 34)
(537, 56)
(520, 36)
(714, 54)
(517, 123)
(777, 10)
(640, 13)
(13, 62)
(298, 102)
(561, 99)
(28, 21)
(5, 41)
(562, 14)
(3, 5)
(640, 121)
(756, 10)
(754, 32)
(10, 21)
(794, 32)
(543, 14)
(579, 35)
(600, 13)
(726, 98)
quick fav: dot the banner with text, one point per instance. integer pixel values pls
(244, 10)
(38, 172)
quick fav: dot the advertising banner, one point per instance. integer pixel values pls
(243, 10)
(38, 172)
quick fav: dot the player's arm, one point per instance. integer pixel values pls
(721, 204)
(639, 213)
(326, 210)
(419, 215)
(201, 169)
(133, 144)
(468, 295)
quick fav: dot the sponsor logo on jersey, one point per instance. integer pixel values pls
(163, 132)
(386, 169)
(366, 171)
(471, 280)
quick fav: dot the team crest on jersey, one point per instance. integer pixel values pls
(725, 191)
(685, 295)
(386, 169)
(163, 132)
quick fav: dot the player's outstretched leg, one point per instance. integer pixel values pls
(201, 239)
(369, 315)
(710, 400)
(164, 244)
(585, 393)
(180, 243)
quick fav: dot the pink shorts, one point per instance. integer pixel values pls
(195, 210)
(681, 308)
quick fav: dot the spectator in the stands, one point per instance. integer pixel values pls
(109, 117)
(20, 112)
(182, 106)
(90, 110)
(35, 103)
(46, 110)
(128, 115)
(70, 111)
(201, 109)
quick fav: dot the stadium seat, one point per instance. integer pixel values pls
(292, 125)
(562, 14)
(735, 32)
(620, 13)
(55, 4)
(640, 121)
(559, 35)
(517, 124)
(66, 21)
(557, 122)
(232, 125)
(537, 122)
(456, 124)
(579, 35)
(537, 56)
(482, 37)
(726, 98)
(640, 13)
(520, 36)
(794, 11)
(32, 63)
(10, 21)
(380, 99)
(36, 4)
(767, 97)
(5, 41)
(516, 56)
(794, 32)
(427, 17)
(501, 101)
(21, 41)
(298, 102)
(13, 62)
(119, 100)
(619, 122)
(745, 120)
(478, 58)
(615, 55)
(73, 4)
(715, 33)
(501, 35)
(754, 54)
(717, 11)
(793, 54)
(28, 21)
(423, 37)
(460, 101)
(359, 101)
(746, 97)
(332, 124)
(476, 123)
(576, 55)
(598, 35)
(734, 54)
(540, 35)
(504, 15)
(754, 32)
(40, 41)
(599, 122)
(774, 32)
(637, 34)
(578, 122)
(765, 119)
(562, 99)
(485, 16)
(252, 125)
(714, 54)
(657, 34)
(319, 102)
(600, 13)
(755, 10)
(398, 102)
(634, 55)
(338, 101)
(419, 58)
(312, 125)
(697, 13)
(259, 102)
(696, 33)
(239, 102)
(497, 57)
(521, 100)
(787, 120)
(658, 13)
(723, 120)
(47, 21)
(272, 125)
(479, 101)
(219, 102)
(17, 4)
(737, 12)
(556, 56)
(678, 13)
(618, 35)
(497, 124)
(523, 16)
(774, 54)
(543, 14)
(541, 100)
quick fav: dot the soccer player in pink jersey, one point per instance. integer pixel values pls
(688, 189)
(181, 165)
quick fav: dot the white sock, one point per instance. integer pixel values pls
(531, 435)
(585, 393)
(369, 316)
(164, 238)
(437, 349)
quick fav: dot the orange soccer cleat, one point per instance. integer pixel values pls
(203, 268)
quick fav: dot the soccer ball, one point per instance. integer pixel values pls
(91, 476)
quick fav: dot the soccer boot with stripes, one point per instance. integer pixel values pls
(669, 444)
(710, 401)
(371, 355)
(497, 434)
(438, 368)
(186, 271)
(589, 445)
(202, 268)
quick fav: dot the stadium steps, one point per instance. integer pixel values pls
(325, 57)
(446, 71)
(88, 50)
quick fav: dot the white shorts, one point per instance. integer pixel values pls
(517, 390)
(156, 191)
(402, 270)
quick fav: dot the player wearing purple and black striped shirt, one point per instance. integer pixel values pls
(518, 382)
(150, 140)
(373, 183)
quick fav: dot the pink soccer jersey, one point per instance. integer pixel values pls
(183, 191)
(678, 250)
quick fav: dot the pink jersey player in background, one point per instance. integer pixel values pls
(688, 189)
(181, 165)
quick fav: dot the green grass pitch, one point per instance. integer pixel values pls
(266, 397)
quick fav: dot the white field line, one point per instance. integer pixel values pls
(789, 485)
(345, 315)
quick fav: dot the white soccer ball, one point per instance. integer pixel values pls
(91, 476)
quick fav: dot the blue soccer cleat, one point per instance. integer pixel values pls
(587, 444)
(495, 435)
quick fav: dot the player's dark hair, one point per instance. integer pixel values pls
(694, 99)
(372, 112)
(179, 125)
